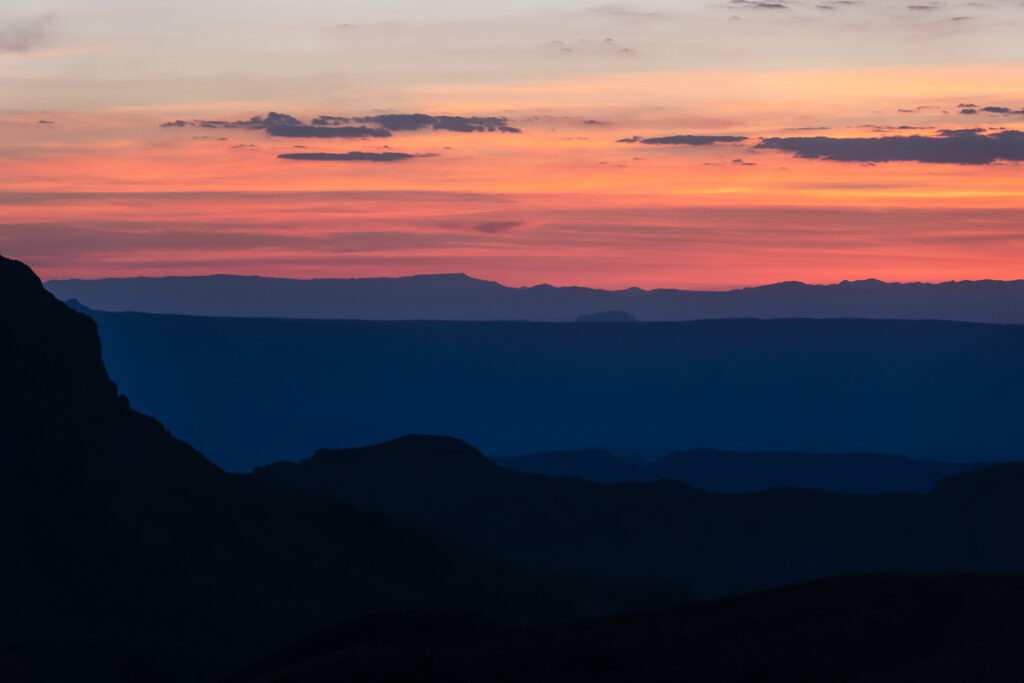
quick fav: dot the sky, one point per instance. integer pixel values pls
(691, 144)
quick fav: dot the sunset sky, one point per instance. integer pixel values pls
(687, 144)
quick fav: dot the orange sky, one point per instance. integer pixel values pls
(104, 190)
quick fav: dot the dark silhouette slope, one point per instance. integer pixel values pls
(460, 297)
(726, 472)
(120, 545)
(881, 628)
(667, 530)
(250, 392)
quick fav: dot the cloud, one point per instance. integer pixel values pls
(1005, 111)
(879, 128)
(685, 139)
(759, 4)
(330, 120)
(255, 123)
(605, 46)
(620, 11)
(45, 122)
(471, 124)
(287, 126)
(302, 131)
(491, 227)
(399, 121)
(964, 146)
(381, 125)
(24, 36)
(459, 124)
(352, 156)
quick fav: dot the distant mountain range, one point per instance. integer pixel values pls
(460, 297)
(718, 543)
(249, 391)
(726, 472)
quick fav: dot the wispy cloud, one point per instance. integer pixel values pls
(352, 156)
(25, 35)
(380, 125)
(693, 140)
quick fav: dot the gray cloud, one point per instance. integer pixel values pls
(303, 131)
(759, 4)
(1006, 111)
(352, 156)
(25, 36)
(399, 121)
(330, 120)
(381, 125)
(625, 12)
(459, 124)
(255, 123)
(685, 139)
(608, 46)
(491, 227)
(964, 146)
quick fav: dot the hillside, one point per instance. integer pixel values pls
(881, 628)
(126, 555)
(718, 543)
(727, 472)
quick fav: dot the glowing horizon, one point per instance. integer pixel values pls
(699, 146)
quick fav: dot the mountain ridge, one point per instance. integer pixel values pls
(458, 296)
(668, 530)
(714, 469)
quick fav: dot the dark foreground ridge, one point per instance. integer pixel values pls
(460, 297)
(127, 556)
(727, 472)
(720, 544)
(881, 628)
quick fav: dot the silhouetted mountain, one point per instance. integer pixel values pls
(126, 555)
(725, 472)
(249, 392)
(666, 530)
(881, 628)
(607, 317)
(459, 297)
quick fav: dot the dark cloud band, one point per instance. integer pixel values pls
(378, 126)
(696, 140)
(968, 146)
(352, 156)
